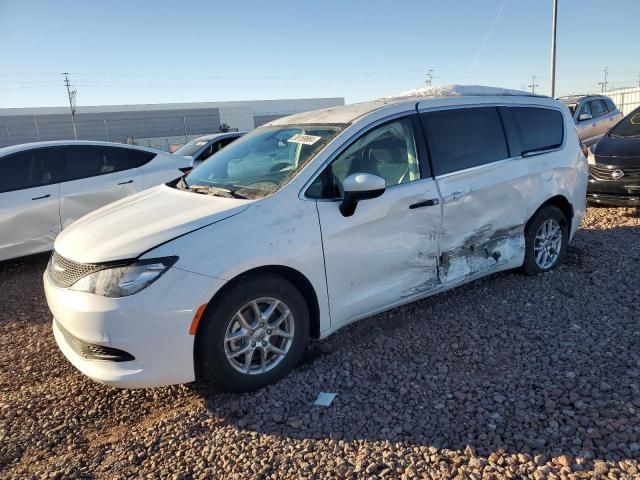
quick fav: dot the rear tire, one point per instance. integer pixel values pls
(546, 239)
(239, 349)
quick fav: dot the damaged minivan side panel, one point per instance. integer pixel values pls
(484, 192)
(483, 227)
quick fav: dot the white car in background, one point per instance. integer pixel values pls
(309, 223)
(46, 186)
(201, 148)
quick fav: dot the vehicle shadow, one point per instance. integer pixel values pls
(545, 365)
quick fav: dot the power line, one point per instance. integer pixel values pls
(72, 103)
(484, 42)
(533, 84)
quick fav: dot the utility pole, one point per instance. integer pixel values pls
(429, 77)
(533, 84)
(554, 29)
(72, 103)
(605, 83)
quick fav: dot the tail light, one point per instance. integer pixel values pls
(185, 170)
(583, 147)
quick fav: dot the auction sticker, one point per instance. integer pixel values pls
(304, 139)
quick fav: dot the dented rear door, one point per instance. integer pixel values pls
(483, 192)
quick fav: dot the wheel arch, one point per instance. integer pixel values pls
(559, 201)
(299, 280)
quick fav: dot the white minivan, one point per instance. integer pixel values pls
(310, 223)
(46, 186)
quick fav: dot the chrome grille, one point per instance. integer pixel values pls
(605, 173)
(64, 272)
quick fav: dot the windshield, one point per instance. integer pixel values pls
(189, 149)
(629, 126)
(262, 161)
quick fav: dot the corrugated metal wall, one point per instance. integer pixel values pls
(109, 126)
(627, 99)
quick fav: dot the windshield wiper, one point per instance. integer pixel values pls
(215, 191)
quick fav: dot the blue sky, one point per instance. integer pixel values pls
(122, 52)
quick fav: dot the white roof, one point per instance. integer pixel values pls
(461, 91)
(54, 143)
(349, 113)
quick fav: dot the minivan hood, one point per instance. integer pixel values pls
(129, 227)
(615, 150)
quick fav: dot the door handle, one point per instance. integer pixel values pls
(124, 183)
(426, 203)
(43, 196)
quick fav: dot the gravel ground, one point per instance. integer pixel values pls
(508, 377)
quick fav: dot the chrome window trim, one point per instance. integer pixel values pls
(478, 167)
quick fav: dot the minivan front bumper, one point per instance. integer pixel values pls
(147, 333)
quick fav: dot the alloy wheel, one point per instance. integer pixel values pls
(259, 335)
(547, 244)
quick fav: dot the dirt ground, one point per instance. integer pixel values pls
(507, 377)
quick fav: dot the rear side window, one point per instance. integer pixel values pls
(89, 161)
(538, 129)
(33, 168)
(464, 138)
(597, 108)
(610, 105)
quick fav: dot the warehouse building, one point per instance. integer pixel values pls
(156, 125)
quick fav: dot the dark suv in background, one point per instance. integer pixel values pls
(614, 165)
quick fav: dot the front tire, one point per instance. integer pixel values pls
(546, 239)
(253, 335)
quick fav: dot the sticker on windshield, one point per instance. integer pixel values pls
(304, 139)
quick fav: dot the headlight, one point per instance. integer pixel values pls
(591, 159)
(124, 280)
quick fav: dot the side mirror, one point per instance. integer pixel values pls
(584, 116)
(357, 187)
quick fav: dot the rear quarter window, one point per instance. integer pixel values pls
(610, 105)
(538, 129)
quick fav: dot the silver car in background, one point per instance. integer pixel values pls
(594, 115)
(201, 148)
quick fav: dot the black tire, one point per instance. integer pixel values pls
(212, 365)
(549, 212)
